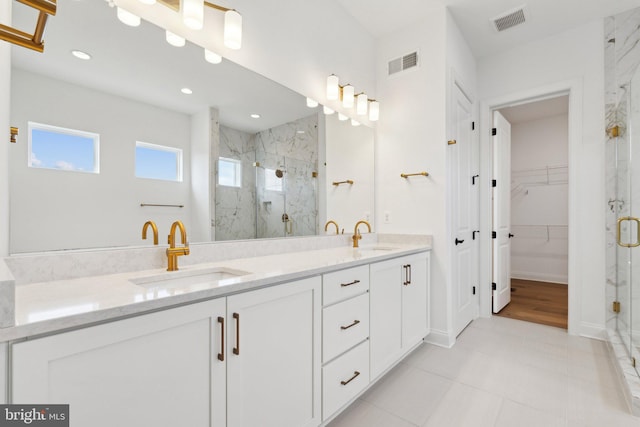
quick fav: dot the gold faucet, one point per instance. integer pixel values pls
(155, 231)
(326, 226)
(172, 252)
(356, 233)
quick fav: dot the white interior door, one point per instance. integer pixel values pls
(463, 212)
(501, 212)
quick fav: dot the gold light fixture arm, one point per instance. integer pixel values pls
(217, 7)
(23, 39)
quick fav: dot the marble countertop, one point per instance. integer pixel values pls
(46, 307)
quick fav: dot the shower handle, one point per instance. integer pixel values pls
(619, 232)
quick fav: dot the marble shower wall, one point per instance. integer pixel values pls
(622, 58)
(235, 212)
(293, 149)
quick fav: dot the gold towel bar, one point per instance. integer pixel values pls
(162, 206)
(336, 183)
(407, 175)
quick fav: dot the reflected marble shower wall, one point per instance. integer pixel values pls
(235, 211)
(291, 148)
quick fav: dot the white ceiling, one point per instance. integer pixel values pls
(545, 18)
(536, 110)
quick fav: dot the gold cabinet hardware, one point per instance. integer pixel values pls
(348, 181)
(153, 226)
(30, 41)
(618, 234)
(236, 349)
(452, 142)
(616, 306)
(314, 174)
(613, 132)
(344, 285)
(326, 226)
(407, 274)
(172, 252)
(221, 354)
(356, 233)
(407, 175)
(13, 135)
(355, 375)
(355, 322)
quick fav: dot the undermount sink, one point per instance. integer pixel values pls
(183, 279)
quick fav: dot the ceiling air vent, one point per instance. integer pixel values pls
(509, 19)
(405, 62)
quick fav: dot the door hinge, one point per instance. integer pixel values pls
(494, 182)
(494, 131)
(473, 179)
(473, 125)
(474, 290)
(494, 235)
(616, 306)
(494, 286)
(452, 142)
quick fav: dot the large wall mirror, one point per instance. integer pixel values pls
(110, 142)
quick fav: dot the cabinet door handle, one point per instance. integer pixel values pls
(407, 274)
(355, 322)
(355, 374)
(221, 354)
(355, 282)
(410, 273)
(236, 349)
(458, 241)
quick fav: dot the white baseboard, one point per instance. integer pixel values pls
(440, 338)
(592, 330)
(540, 277)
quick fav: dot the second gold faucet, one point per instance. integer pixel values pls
(172, 252)
(356, 233)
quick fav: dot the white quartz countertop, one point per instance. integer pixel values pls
(48, 307)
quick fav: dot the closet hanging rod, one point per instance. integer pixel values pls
(407, 175)
(162, 206)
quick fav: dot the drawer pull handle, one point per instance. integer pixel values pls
(344, 285)
(221, 354)
(355, 375)
(355, 322)
(236, 349)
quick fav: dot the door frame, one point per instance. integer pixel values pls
(572, 88)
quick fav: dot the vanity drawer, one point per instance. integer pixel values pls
(344, 378)
(344, 325)
(343, 284)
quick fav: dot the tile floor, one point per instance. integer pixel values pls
(501, 373)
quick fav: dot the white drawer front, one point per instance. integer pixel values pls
(344, 325)
(343, 284)
(344, 378)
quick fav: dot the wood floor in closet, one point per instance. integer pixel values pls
(538, 302)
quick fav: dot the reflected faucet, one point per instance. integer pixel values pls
(153, 227)
(172, 252)
(326, 226)
(356, 233)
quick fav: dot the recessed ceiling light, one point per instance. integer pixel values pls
(255, 116)
(81, 55)
(186, 91)
(300, 131)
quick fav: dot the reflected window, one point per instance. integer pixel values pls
(229, 172)
(53, 147)
(158, 162)
(271, 180)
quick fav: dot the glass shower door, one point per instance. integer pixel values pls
(633, 138)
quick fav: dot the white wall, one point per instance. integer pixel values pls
(201, 169)
(52, 209)
(349, 155)
(539, 200)
(5, 103)
(574, 57)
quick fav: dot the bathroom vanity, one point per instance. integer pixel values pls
(276, 340)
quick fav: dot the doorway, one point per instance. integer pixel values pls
(530, 211)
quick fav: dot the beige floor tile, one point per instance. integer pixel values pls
(364, 414)
(447, 362)
(465, 406)
(513, 414)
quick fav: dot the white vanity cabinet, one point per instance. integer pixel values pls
(176, 368)
(151, 370)
(399, 304)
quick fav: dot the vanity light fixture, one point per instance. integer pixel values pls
(348, 93)
(361, 104)
(327, 111)
(374, 110)
(333, 88)
(127, 17)
(342, 117)
(174, 39)
(81, 55)
(255, 116)
(232, 27)
(149, 2)
(45, 8)
(186, 91)
(212, 57)
(14, 134)
(193, 14)
(312, 103)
